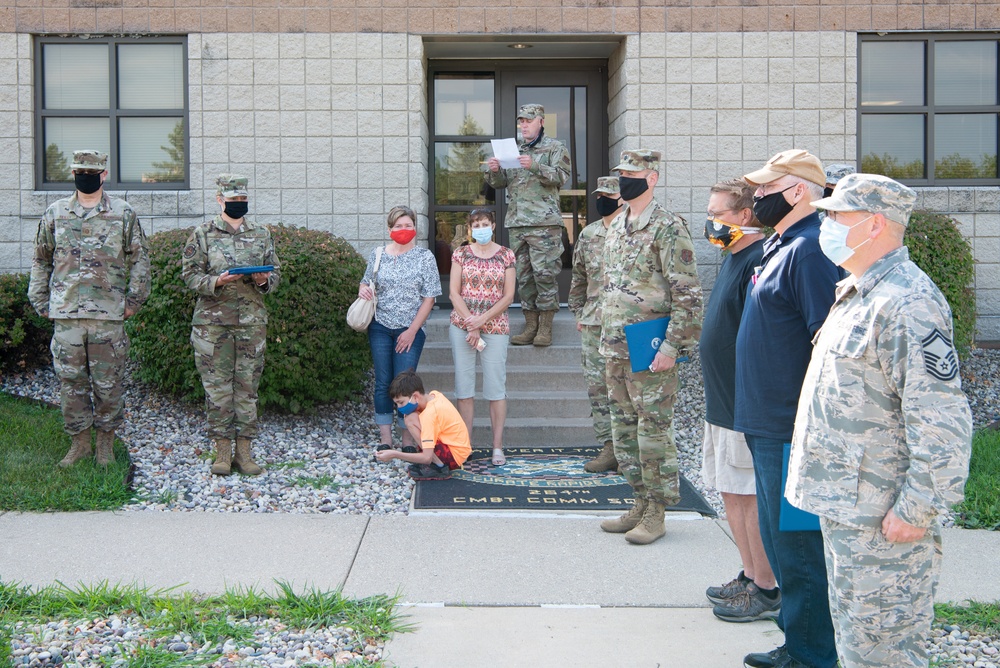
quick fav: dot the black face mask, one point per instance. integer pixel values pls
(771, 209)
(607, 206)
(237, 210)
(87, 182)
(632, 187)
(828, 191)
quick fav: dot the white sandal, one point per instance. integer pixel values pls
(498, 457)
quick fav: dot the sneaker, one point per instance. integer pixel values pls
(412, 449)
(748, 606)
(766, 659)
(428, 472)
(727, 591)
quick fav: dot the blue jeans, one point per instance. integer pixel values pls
(389, 364)
(798, 563)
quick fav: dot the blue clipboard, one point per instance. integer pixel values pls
(643, 340)
(252, 270)
(791, 518)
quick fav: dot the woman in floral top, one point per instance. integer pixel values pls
(482, 287)
(406, 284)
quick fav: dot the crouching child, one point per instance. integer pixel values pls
(435, 423)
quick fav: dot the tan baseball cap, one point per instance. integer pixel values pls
(794, 162)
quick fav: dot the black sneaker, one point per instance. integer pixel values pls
(729, 590)
(766, 659)
(412, 449)
(748, 606)
(428, 472)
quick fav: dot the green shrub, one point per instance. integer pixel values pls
(938, 247)
(24, 335)
(312, 355)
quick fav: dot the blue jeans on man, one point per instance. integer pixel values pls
(798, 563)
(389, 364)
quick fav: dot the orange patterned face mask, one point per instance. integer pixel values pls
(722, 234)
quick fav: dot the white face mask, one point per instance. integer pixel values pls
(833, 240)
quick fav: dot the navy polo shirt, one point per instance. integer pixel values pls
(786, 306)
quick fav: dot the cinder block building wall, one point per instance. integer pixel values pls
(326, 104)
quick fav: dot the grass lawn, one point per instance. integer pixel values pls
(981, 508)
(207, 622)
(32, 442)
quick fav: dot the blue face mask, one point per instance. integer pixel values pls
(833, 240)
(482, 235)
(408, 408)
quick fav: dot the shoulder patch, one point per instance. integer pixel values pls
(189, 251)
(940, 360)
(687, 255)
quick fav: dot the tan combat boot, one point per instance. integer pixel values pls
(105, 447)
(651, 527)
(530, 329)
(626, 521)
(79, 449)
(544, 336)
(603, 462)
(243, 460)
(223, 457)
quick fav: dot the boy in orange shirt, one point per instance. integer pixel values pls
(435, 423)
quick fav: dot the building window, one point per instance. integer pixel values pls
(124, 96)
(929, 110)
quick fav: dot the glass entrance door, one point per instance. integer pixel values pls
(471, 107)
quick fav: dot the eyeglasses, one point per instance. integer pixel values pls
(481, 213)
(716, 214)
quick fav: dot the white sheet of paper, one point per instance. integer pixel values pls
(505, 150)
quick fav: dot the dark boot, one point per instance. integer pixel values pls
(223, 457)
(243, 461)
(603, 462)
(530, 329)
(105, 447)
(80, 449)
(544, 336)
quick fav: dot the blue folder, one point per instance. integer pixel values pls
(643, 340)
(791, 518)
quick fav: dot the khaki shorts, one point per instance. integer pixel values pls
(726, 464)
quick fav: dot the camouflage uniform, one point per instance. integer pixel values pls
(882, 424)
(533, 220)
(89, 267)
(649, 273)
(229, 327)
(584, 301)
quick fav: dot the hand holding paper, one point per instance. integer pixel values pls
(505, 150)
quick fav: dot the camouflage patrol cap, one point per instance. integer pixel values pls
(90, 160)
(607, 185)
(531, 111)
(838, 171)
(873, 193)
(638, 160)
(794, 162)
(231, 185)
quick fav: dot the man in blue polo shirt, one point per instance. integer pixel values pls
(792, 292)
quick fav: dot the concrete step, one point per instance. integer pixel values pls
(527, 404)
(563, 326)
(439, 352)
(537, 378)
(549, 432)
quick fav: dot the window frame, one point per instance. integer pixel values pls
(113, 114)
(930, 108)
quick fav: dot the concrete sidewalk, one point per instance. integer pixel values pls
(483, 590)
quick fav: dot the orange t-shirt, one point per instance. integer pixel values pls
(441, 423)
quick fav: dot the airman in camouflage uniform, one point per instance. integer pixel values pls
(229, 327)
(883, 430)
(90, 272)
(584, 301)
(649, 273)
(534, 222)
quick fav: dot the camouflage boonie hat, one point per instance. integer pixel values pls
(638, 160)
(90, 160)
(231, 185)
(531, 111)
(873, 193)
(836, 172)
(607, 185)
